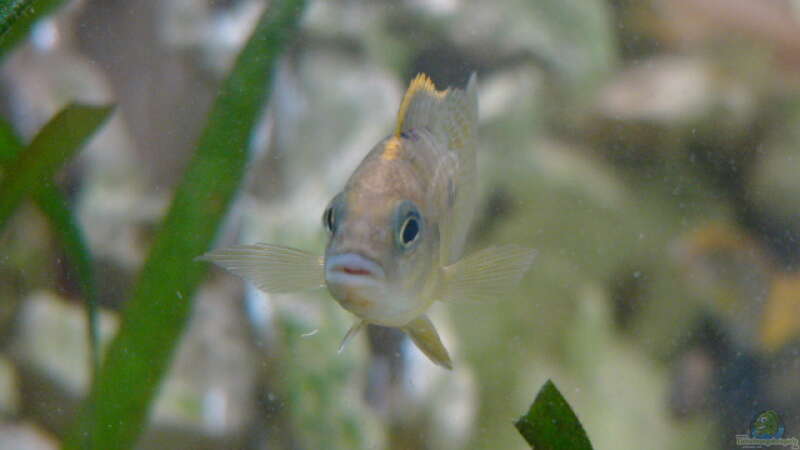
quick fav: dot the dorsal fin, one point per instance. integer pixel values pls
(420, 96)
(451, 118)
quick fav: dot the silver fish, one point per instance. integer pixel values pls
(397, 229)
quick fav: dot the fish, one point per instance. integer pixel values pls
(398, 228)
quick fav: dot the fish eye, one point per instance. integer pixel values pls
(410, 231)
(327, 220)
(410, 225)
(334, 213)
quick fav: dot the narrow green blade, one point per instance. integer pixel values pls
(550, 423)
(11, 12)
(56, 208)
(10, 144)
(55, 144)
(18, 16)
(116, 411)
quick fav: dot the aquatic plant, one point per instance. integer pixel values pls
(114, 414)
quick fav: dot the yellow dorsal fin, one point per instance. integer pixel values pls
(420, 86)
(392, 148)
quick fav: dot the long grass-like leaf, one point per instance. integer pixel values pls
(18, 16)
(11, 12)
(116, 410)
(550, 424)
(54, 145)
(55, 207)
(10, 144)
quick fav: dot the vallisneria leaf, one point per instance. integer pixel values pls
(116, 411)
(55, 144)
(18, 16)
(55, 207)
(10, 144)
(11, 12)
(550, 423)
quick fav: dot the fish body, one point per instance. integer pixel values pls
(398, 227)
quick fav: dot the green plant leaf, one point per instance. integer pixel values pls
(54, 145)
(550, 423)
(10, 144)
(116, 410)
(17, 17)
(55, 207)
(11, 12)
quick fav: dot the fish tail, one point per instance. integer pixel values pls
(451, 114)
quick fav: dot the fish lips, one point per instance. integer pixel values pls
(352, 269)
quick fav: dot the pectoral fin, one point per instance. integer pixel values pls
(488, 273)
(351, 333)
(424, 335)
(273, 268)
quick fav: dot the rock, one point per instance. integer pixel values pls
(773, 187)
(51, 350)
(779, 324)
(731, 272)
(106, 182)
(25, 436)
(511, 112)
(52, 340)
(209, 390)
(573, 40)
(215, 31)
(9, 388)
(615, 382)
(666, 90)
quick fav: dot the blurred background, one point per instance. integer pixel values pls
(649, 150)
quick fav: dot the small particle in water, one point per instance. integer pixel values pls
(637, 274)
(178, 293)
(310, 333)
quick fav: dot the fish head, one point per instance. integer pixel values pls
(383, 248)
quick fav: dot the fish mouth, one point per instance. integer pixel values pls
(352, 268)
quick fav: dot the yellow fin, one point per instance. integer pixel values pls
(273, 268)
(451, 115)
(421, 89)
(351, 333)
(424, 335)
(486, 274)
(780, 322)
(392, 148)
